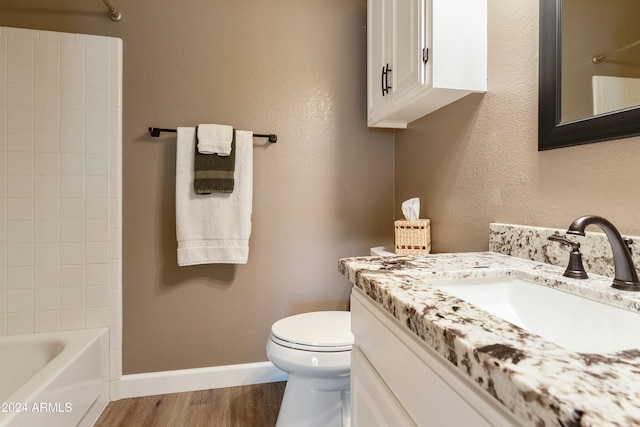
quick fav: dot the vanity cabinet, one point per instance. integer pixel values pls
(398, 380)
(423, 55)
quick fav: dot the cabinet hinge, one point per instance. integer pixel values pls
(425, 54)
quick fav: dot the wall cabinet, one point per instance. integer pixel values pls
(397, 380)
(423, 55)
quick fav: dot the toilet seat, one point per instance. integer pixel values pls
(320, 331)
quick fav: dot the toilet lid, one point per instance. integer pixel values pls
(320, 331)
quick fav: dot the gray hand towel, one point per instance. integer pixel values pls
(214, 173)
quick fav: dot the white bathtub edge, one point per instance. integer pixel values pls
(183, 380)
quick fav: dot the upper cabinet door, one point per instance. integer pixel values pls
(406, 45)
(423, 55)
(378, 55)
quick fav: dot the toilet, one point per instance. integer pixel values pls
(314, 349)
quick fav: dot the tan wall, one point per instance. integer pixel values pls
(324, 191)
(476, 161)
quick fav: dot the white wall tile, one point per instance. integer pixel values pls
(20, 47)
(97, 274)
(96, 252)
(60, 210)
(72, 164)
(47, 51)
(3, 329)
(46, 232)
(47, 299)
(72, 187)
(96, 317)
(46, 321)
(20, 254)
(97, 208)
(72, 142)
(97, 99)
(71, 319)
(20, 186)
(56, 36)
(45, 95)
(97, 142)
(96, 296)
(19, 71)
(20, 117)
(72, 209)
(20, 94)
(97, 77)
(71, 275)
(72, 119)
(48, 141)
(72, 298)
(97, 186)
(20, 140)
(19, 209)
(47, 118)
(71, 253)
(46, 185)
(20, 277)
(20, 232)
(46, 254)
(20, 163)
(72, 98)
(20, 323)
(72, 231)
(46, 74)
(97, 231)
(97, 55)
(19, 300)
(46, 209)
(97, 164)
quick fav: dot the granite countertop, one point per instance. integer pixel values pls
(540, 382)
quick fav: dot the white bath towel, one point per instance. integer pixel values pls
(213, 228)
(215, 139)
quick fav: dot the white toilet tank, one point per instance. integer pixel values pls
(382, 251)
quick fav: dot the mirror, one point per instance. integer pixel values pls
(566, 114)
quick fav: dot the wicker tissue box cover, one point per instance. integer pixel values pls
(413, 237)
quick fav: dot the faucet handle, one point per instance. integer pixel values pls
(575, 269)
(565, 241)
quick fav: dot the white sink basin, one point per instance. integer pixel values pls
(571, 321)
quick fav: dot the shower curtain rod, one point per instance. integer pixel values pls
(155, 132)
(114, 15)
(599, 58)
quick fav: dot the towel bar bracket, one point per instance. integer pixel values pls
(155, 132)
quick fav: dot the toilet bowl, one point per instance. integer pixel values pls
(315, 351)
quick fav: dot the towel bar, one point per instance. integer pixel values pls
(155, 132)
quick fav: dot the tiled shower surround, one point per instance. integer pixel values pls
(60, 182)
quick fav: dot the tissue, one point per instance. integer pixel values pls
(412, 235)
(411, 209)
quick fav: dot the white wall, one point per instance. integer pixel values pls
(60, 182)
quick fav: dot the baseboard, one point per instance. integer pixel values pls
(183, 380)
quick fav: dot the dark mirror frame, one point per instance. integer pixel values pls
(552, 133)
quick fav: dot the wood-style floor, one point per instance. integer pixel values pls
(244, 406)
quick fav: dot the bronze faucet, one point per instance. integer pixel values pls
(626, 277)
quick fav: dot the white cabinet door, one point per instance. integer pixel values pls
(397, 378)
(378, 54)
(407, 46)
(423, 55)
(372, 402)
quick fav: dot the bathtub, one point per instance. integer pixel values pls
(54, 379)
